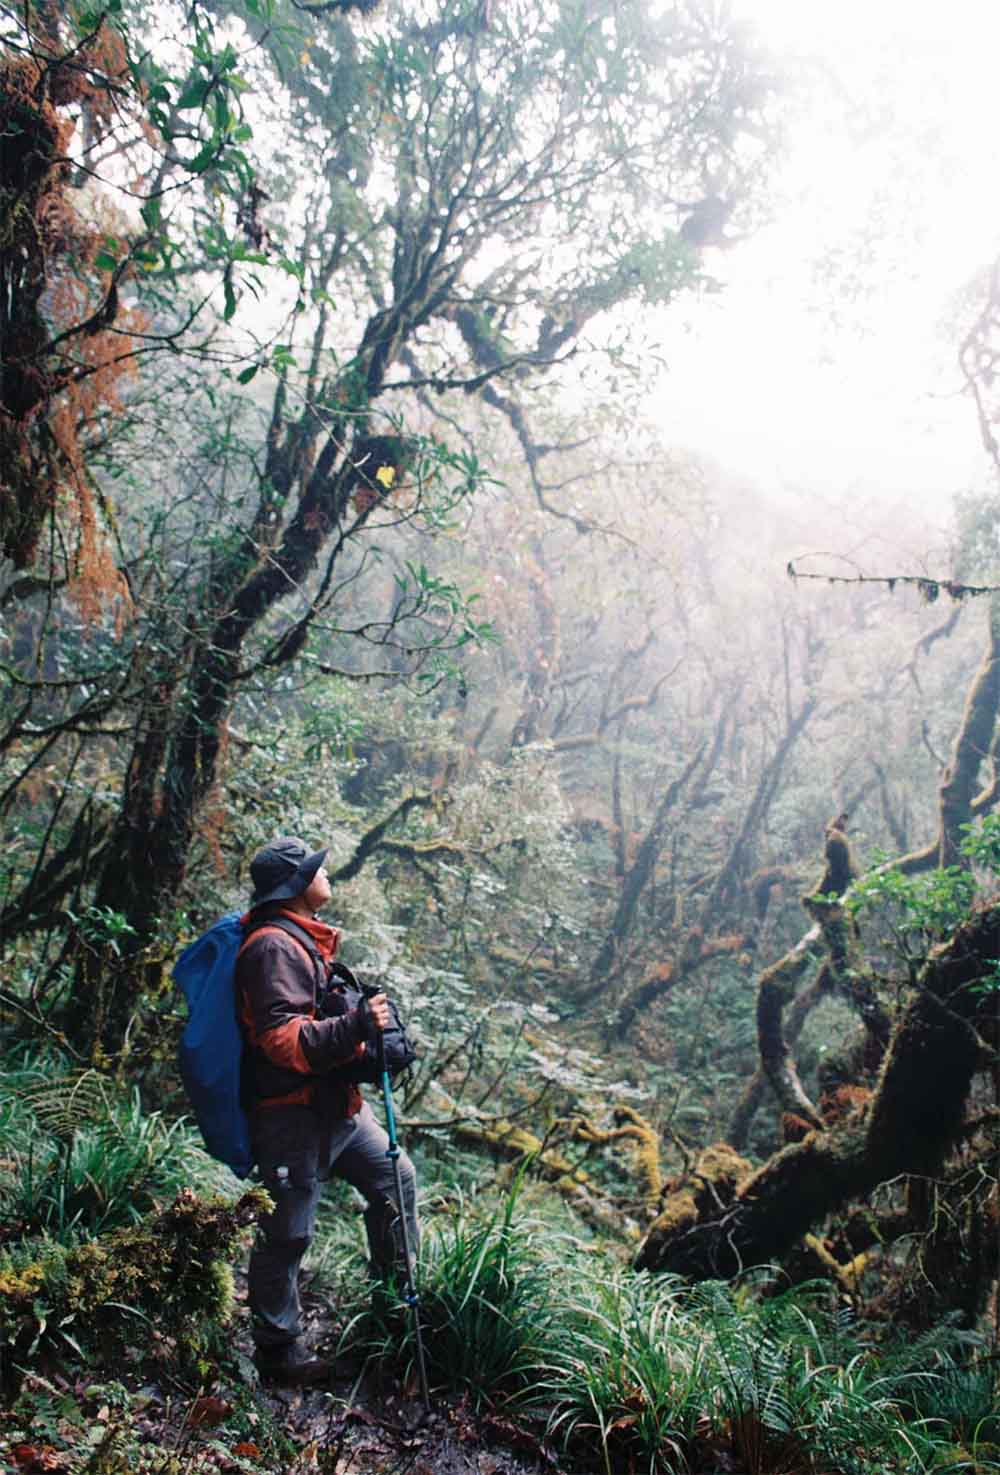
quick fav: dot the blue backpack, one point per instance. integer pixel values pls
(211, 1048)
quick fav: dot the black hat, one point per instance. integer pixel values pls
(283, 869)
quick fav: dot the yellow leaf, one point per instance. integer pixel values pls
(386, 475)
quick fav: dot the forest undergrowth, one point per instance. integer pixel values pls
(126, 1342)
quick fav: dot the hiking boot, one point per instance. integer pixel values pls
(291, 1364)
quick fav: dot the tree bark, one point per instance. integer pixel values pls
(639, 874)
(971, 746)
(958, 804)
(909, 1126)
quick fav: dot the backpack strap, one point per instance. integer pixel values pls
(341, 972)
(302, 1095)
(300, 935)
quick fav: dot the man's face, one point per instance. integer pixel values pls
(318, 892)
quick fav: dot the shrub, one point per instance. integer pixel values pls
(486, 1301)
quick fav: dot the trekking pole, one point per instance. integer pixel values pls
(392, 1154)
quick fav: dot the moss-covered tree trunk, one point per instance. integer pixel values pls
(781, 1011)
(914, 1118)
(174, 764)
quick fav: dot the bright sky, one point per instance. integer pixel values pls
(829, 360)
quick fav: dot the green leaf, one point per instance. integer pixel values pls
(104, 261)
(230, 295)
(255, 258)
(241, 253)
(223, 117)
(194, 93)
(235, 160)
(245, 375)
(203, 158)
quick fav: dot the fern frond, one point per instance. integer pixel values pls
(63, 1106)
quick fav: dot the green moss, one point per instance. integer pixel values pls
(220, 1292)
(19, 1287)
(708, 1186)
(513, 1142)
(168, 1274)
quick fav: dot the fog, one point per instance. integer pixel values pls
(830, 358)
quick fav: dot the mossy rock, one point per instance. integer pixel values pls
(168, 1274)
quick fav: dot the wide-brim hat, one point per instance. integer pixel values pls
(283, 869)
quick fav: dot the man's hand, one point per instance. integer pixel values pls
(379, 1006)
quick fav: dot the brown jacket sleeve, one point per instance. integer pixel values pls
(276, 985)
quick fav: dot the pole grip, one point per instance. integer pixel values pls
(370, 990)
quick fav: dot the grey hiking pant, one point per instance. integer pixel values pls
(353, 1148)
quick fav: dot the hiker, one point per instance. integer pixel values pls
(306, 1124)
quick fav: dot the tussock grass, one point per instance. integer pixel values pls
(81, 1159)
(661, 1375)
(627, 1372)
(486, 1301)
